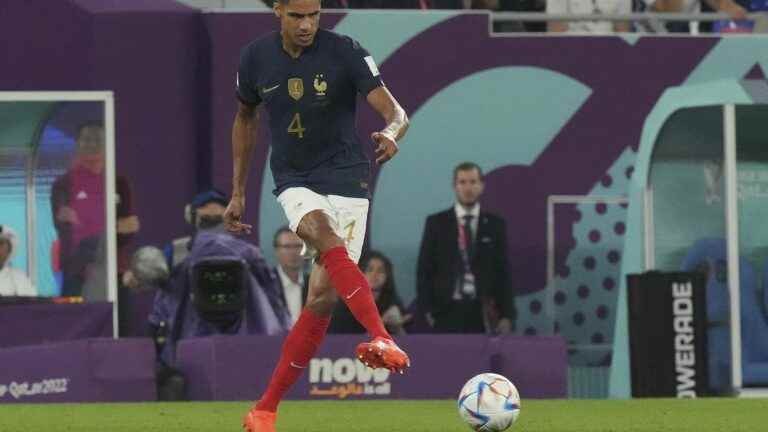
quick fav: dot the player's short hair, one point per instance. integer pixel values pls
(280, 231)
(467, 166)
(88, 124)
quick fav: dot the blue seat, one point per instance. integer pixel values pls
(754, 335)
(710, 255)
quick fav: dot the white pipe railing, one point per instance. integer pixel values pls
(639, 16)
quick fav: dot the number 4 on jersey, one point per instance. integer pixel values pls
(295, 126)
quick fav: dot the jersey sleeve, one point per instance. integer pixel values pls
(361, 66)
(245, 81)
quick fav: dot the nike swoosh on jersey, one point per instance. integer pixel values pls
(354, 292)
(267, 90)
(297, 366)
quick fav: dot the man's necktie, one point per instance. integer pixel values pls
(468, 235)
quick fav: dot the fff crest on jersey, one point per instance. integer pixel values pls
(321, 86)
(296, 88)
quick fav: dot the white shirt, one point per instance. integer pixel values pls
(292, 292)
(14, 282)
(474, 212)
(587, 7)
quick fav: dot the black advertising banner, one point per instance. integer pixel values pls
(668, 334)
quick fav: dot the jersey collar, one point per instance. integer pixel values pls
(307, 50)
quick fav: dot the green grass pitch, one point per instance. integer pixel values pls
(651, 415)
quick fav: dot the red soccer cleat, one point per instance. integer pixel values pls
(383, 353)
(259, 421)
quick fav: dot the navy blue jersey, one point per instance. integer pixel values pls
(312, 101)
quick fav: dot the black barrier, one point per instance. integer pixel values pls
(667, 334)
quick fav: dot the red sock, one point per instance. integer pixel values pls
(354, 290)
(298, 349)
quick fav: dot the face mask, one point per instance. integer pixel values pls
(208, 222)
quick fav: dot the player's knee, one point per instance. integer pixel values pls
(315, 229)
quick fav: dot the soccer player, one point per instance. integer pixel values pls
(308, 80)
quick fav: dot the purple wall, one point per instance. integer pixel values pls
(149, 54)
(90, 370)
(440, 364)
(33, 324)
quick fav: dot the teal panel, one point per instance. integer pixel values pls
(601, 281)
(19, 121)
(731, 58)
(632, 262)
(374, 30)
(630, 38)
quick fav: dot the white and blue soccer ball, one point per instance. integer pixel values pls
(489, 402)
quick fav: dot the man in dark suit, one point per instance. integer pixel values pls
(463, 281)
(292, 280)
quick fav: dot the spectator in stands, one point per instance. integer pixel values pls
(13, 282)
(149, 270)
(404, 4)
(292, 278)
(78, 203)
(462, 276)
(588, 7)
(730, 7)
(147, 273)
(379, 273)
(520, 6)
(205, 212)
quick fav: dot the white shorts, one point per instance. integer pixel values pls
(347, 216)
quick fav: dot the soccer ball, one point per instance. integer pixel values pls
(489, 402)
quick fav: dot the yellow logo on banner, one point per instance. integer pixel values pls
(296, 88)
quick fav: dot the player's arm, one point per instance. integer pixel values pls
(244, 130)
(396, 119)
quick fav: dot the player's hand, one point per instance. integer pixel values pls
(232, 216)
(386, 147)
